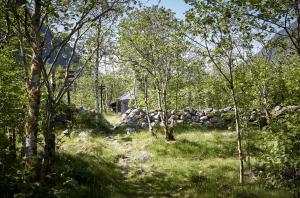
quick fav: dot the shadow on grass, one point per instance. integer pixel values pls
(89, 176)
(87, 120)
(83, 175)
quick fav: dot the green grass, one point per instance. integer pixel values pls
(201, 163)
(112, 118)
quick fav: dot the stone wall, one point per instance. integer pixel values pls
(207, 117)
(219, 118)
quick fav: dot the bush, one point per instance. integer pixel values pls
(281, 157)
(87, 120)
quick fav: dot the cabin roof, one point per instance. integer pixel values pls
(128, 95)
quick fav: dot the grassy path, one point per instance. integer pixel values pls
(200, 163)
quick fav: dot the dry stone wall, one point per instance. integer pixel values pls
(208, 117)
(219, 118)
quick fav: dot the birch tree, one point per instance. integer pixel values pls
(47, 27)
(222, 44)
(149, 42)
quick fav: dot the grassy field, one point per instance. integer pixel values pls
(200, 163)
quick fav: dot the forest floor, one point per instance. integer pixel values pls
(200, 163)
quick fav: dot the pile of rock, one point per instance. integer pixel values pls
(207, 117)
(281, 110)
(219, 118)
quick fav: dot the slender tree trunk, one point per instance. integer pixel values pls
(265, 104)
(33, 87)
(176, 96)
(168, 131)
(107, 97)
(159, 102)
(97, 81)
(134, 94)
(248, 147)
(34, 97)
(101, 97)
(147, 107)
(238, 131)
(49, 136)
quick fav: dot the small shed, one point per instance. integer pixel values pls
(122, 102)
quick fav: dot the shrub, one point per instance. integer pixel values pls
(87, 120)
(281, 157)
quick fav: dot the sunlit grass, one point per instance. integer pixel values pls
(112, 118)
(200, 163)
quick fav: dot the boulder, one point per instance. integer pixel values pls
(204, 118)
(144, 125)
(174, 117)
(156, 117)
(128, 111)
(195, 118)
(182, 117)
(124, 116)
(136, 111)
(130, 120)
(227, 109)
(192, 111)
(188, 116)
(179, 121)
(200, 113)
(207, 123)
(280, 110)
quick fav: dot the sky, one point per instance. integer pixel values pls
(177, 6)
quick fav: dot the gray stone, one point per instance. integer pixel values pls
(174, 117)
(179, 121)
(188, 116)
(130, 120)
(130, 130)
(173, 112)
(195, 118)
(156, 117)
(136, 111)
(207, 123)
(144, 125)
(128, 111)
(204, 118)
(200, 113)
(182, 117)
(277, 108)
(192, 111)
(124, 116)
(227, 109)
